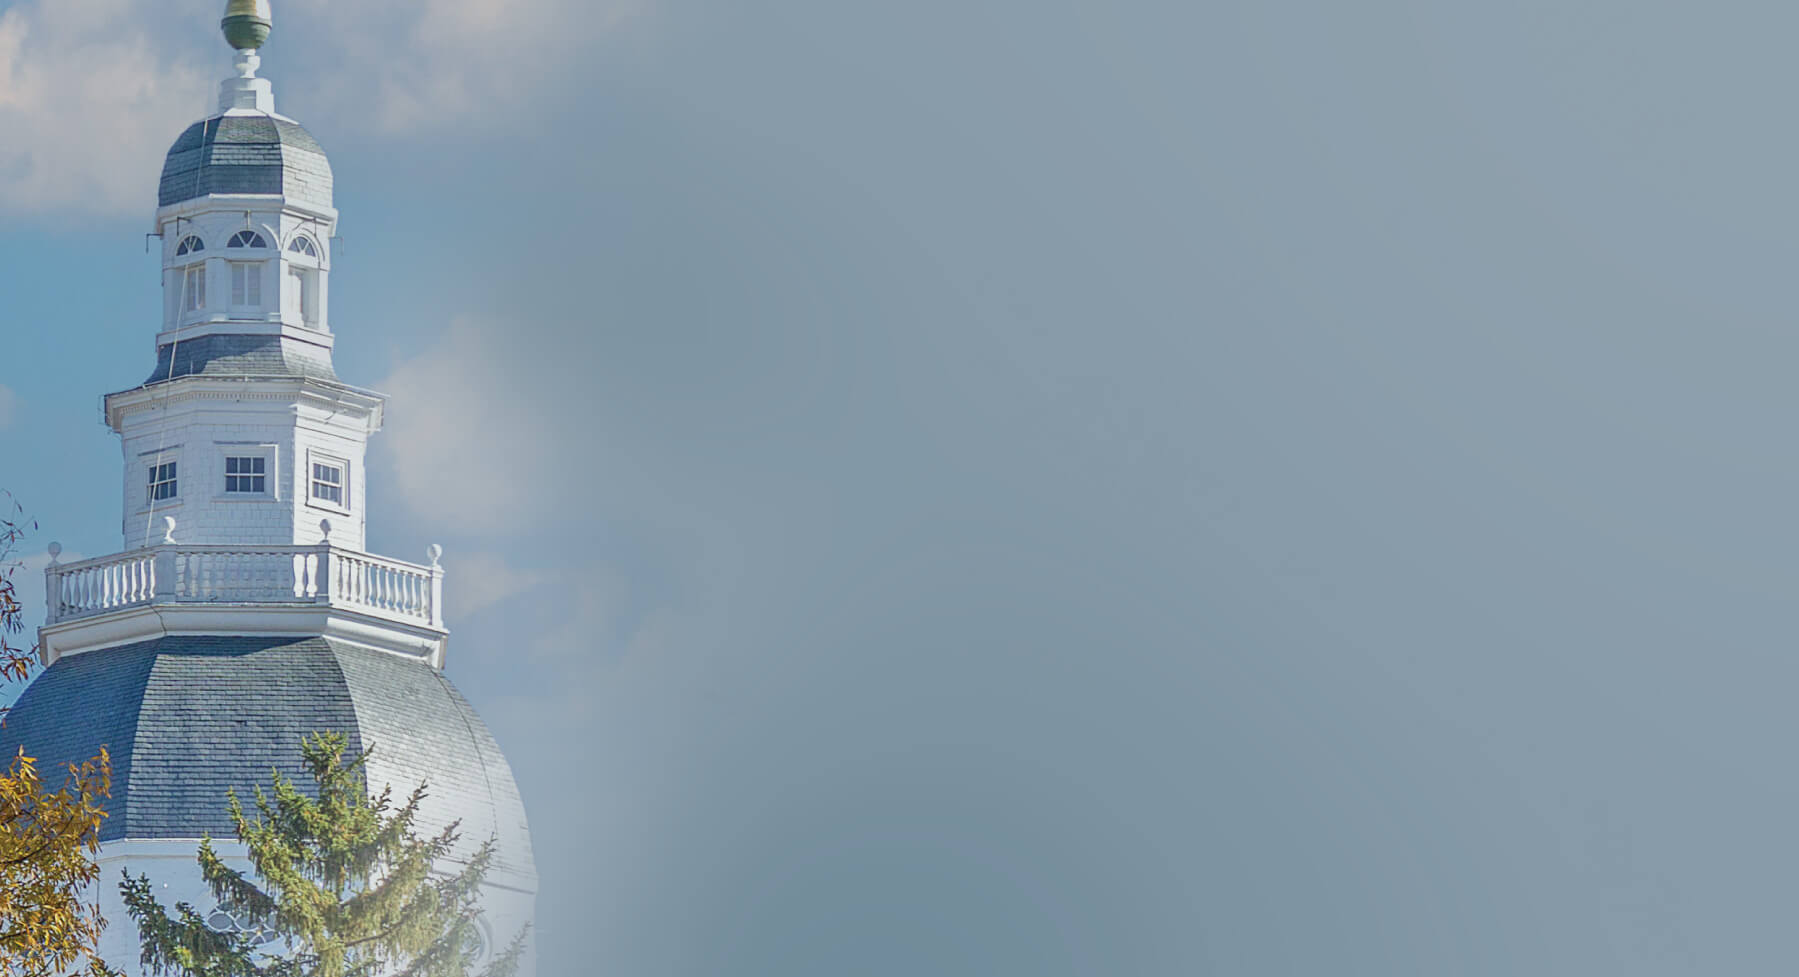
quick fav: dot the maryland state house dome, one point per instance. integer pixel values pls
(244, 610)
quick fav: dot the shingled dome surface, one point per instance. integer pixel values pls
(232, 355)
(187, 718)
(246, 154)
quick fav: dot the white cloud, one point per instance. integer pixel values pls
(92, 92)
(421, 63)
(462, 452)
(476, 581)
(89, 101)
(9, 403)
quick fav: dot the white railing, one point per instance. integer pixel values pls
(176, 573)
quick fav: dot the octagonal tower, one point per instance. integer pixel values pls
(244, 610)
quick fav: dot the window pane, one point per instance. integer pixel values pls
(256, 484)
(255, 464)
(254, 273)
(231, 466)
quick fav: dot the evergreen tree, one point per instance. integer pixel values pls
(341, 881)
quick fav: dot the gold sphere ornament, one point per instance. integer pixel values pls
(247, 24)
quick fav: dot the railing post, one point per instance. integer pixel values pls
(162, 575)
(53, 587)
(323, 576)
(436, 599)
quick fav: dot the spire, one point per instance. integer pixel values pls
(246, 26)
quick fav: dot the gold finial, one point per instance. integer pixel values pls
(247, 24)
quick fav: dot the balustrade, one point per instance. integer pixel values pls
(286, 575)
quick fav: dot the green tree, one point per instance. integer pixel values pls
(341, 880)
(48, 837)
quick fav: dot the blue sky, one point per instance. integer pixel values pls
(1048, 488)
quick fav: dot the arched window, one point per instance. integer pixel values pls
(247, 239)
(189, 245)
(302, 244)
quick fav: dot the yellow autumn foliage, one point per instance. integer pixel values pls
(49, 835)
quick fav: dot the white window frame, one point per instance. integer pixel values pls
(193, 299)
(148, 462)
(271, 471)
(335, 461)
(246, 284)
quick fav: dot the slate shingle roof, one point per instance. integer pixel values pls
(245, 154)
(237, 355)
(187, 718)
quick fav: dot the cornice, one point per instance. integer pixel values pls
(307, 391)
(148, 622)
(227, 203)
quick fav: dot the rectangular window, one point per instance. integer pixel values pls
(328, 483)
(246, 475)
(194, 287)
(162, 481)
(246, 283)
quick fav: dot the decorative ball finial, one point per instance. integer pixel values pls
(435, 552)
(325, 530)
(55, 551)
(168, 529)
(247, 24)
